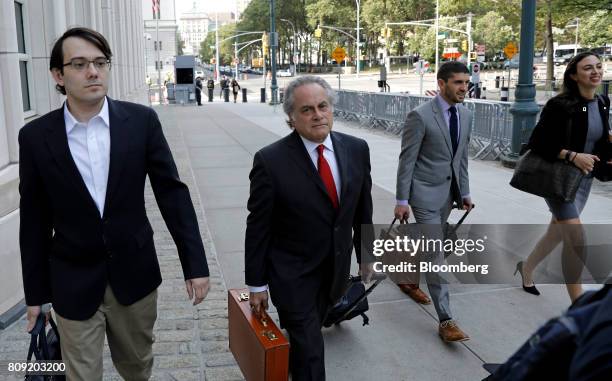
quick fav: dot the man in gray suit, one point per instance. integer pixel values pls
(432, 174)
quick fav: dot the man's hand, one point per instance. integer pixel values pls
(197, 289)
(402, 212)
(467, 203)
(258, 302)
(32, 315)
(366, 271)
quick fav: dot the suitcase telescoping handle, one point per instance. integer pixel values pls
(455, 206)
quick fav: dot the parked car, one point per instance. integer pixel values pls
(512, 63)
(199, 73)
(284, 73)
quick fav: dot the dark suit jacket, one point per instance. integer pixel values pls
(550, 136)
(68, 252)
(293, 229)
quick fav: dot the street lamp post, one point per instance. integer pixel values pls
(217, 46)
(273, 42)
(358, 3)
(524, 109)
(294, 42)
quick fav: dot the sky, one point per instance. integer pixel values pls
(205, 5)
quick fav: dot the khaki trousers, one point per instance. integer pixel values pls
(129, 330)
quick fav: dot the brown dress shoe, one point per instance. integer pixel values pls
(450, 332)
(415, 293)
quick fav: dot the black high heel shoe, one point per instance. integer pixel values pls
(528, 289)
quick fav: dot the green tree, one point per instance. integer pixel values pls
(180, 45)
(206, 52)
(493, 30)
(596, 30)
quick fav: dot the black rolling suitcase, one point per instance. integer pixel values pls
(354, 302)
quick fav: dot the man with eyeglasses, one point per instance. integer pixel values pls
(86, 242)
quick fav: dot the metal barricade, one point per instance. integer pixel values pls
(491, 129)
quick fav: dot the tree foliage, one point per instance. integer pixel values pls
(494, 23)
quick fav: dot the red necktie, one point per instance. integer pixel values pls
(327, 177)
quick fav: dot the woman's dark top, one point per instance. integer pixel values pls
(549, 136)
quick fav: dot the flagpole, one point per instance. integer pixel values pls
(156, 7)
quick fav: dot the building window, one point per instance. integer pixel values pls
(24, 57)
(19, 22)
(25, 92)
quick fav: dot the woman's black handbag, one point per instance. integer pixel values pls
(556, 180)
(45, 347)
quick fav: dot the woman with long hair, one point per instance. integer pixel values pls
(577, 109)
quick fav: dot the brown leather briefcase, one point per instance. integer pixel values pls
(259, 347)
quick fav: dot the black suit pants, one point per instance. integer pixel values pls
(306, 354)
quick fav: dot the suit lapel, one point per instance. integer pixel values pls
(57, 141)
(341, 153)
(439, 117)
(302, 158)
(119, 138)
(464, 115)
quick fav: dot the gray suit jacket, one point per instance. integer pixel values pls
(426, 163)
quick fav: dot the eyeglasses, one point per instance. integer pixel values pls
(80, 64)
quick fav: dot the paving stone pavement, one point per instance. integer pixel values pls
(191, 343)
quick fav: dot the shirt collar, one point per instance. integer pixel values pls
(443, 103)
(312, 146)
(71, 120)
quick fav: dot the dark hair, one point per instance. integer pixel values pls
(570, 87)
(90, 35)
(447, 69)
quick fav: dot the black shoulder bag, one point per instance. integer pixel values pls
(45, 347)
(555, 180)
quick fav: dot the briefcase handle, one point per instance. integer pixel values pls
(244, 297)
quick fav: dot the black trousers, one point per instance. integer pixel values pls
(307, 350)
(199, 96)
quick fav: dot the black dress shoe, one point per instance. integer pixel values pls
(528, 289)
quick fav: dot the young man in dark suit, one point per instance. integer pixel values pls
(310, 194)
(86, 243)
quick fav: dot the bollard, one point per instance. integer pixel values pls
(244, 96)
(497, 82)
(504, 94)
(210, 95)
(281, 94)
(226, 94)
(263, 95)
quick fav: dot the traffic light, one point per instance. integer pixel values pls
(265, 41)
(464, 45)
(385, 32)
(318, 32)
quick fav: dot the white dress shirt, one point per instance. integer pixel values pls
(89, 145)
(328, 154)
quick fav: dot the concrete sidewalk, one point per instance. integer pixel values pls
(401, 342)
